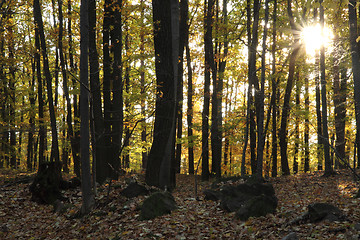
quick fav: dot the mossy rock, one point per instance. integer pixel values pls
(158, 204)
(257, 206)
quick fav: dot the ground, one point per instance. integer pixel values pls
(118, 218)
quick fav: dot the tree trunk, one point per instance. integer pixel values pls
(190, 106)
(117, 90)
(286, 107)
(183, 36)
(326, 141)
(144, 154)
(12, 98)
(274, 150)
(355, 56)
(260, 101)
(160, 169)
(208, 22)
(307, 128)
(95, 87)
(39, 22)
(297, 124)
(88, 201)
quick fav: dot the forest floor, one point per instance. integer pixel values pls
(116, 217)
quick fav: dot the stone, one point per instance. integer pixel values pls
(291, 236)
(257, 206)
(323, 211)
(250, 199)
(134, 190)
(212, 195)
(157, 204)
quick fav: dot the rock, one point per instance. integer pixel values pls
(323, 211)
(71, 184)
(59, 206)
(158, 204)
(257, 206)
(134, 190)
(291, 236)
(246, 199)
(212, 195)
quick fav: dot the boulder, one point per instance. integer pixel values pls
(291, 236)
(257, 206)
(212, 195)
(134, 190)
(323, 211)
(157, 204)
(251, 199)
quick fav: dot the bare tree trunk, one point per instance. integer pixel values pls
(39, 22)
(274, 150)
(328, 167)
(208, 21)
(87, 195)
(355, 56)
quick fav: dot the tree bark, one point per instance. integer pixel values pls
(208, 46)
(88, 200)
(260, 101)
(39, 22)
(286, 107)
(355, 56)
(326, 141)
(274, 150)
(160, 169)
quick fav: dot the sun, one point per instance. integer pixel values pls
(313, 38)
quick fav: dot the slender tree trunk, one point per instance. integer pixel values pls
(297, 124)
(126, 155)
(254, 82)
(260, 101)
(117, 89)
(75, 85)
(88, 201)
(12, 98)
(32, 115)
(39, 22)
(190, 110)
(144, 154)
(69, 120)
(274, 150)
(326, 141)
(307, 127)
(42, 130)
(183, 32)
(339, 86)
(286, 107)
(208, 21)
(95, 87)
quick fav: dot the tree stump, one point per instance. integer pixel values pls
(46, 186)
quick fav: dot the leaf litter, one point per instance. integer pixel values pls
(116, 217)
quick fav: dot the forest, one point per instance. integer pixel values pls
(188, 99)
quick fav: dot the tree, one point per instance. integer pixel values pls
(160, 170)
(260, 101)
(87, 196)
(274, 151)
(289, 85)
(355, 57)
(328, 165)
(39, 23)
(209, 58)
